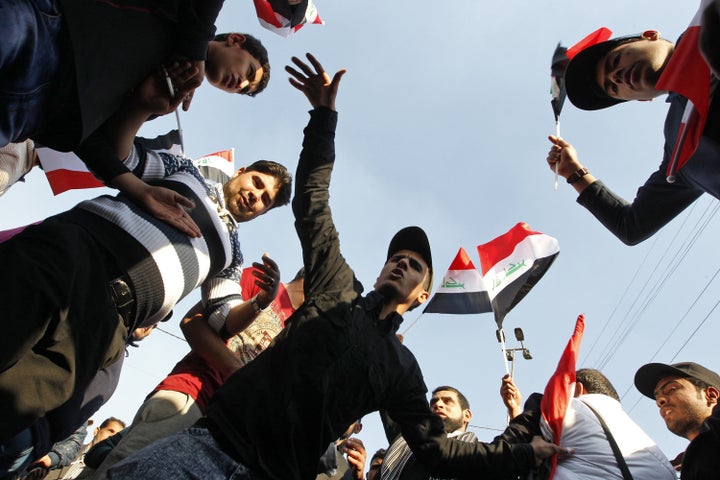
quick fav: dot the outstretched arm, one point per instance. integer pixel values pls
(316, 85)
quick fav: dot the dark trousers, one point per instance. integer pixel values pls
(60, 325)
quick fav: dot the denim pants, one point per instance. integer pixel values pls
(191, 454)
(29, 56)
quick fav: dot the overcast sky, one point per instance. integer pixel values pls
(444, 114)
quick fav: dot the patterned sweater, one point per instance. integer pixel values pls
(163, 264)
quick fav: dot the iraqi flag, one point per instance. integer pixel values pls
(462, 290)
(284, 19)
(65, 171)
(513, 263)
(688, 74)
(560, 390)
(218, 167)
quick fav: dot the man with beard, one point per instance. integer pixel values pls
(686, 395)
(454, 410)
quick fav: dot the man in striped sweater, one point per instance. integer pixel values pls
(77, 283)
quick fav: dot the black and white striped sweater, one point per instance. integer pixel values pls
(163, 264)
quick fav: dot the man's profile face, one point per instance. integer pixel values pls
(631, 70)
(446, 404)
(233, 69)
(101, 433)
(403, 275)
(249, 194)
(682, 406)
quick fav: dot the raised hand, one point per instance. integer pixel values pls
(267, 276)
(317, 86)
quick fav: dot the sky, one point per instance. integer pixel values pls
(443, 122)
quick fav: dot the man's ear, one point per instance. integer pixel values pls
(240, 170)
(422, 297)
(579, 389)
(235, 40)
(711, 395)
(467, 415)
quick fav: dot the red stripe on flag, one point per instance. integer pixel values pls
(501, 247)
(556, 398)
(462, 261)
(62, 180)
(266, 13)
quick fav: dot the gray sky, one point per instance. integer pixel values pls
(444, 114)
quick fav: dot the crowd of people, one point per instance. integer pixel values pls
(265, 393)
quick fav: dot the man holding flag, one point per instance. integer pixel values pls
(641, 67)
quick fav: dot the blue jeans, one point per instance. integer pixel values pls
(16, 454)
(193, 453)
(29, 56)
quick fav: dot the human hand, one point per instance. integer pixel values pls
(153, 95)
(356, 456)
(170, 207)
(185, 76)
(511, 396)
(317, 86)
(709, 33)
(543, 449)
(564, 155)
(267, 276)
(36, 472)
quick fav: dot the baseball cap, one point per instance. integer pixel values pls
(415, 240)
(581, 75)
(649, 375)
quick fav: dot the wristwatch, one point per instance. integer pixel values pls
(577, 175)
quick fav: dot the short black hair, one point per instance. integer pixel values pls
(255, 48)
(464, 404)
(596, 382)
(110, 420)
(282, 177)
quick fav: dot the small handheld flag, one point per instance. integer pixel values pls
(283, 18)
(462, 290)
(513, 263)
(559, 390)
(560, 59)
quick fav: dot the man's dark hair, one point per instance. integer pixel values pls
(110, 420)
(464, 404)
(379, 454)
(255, 48)
(699, 385)
(282, 177)
(596, 382)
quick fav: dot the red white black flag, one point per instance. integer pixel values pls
(513, 263)
(284, 18)
(688, 74)
(462, 290)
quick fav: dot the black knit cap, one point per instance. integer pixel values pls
(649, 375)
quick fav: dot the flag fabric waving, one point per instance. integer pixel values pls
(513, 263)
(560, 390)
(284, 19)
(688, 74)
(561, 58)
(65, 171)
(218, 167)
(462, 290)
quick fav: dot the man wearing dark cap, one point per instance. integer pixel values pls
(629, 68)
(337, 359)
(686, 394)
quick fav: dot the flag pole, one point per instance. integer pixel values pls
(501, 338)
(171, 89)
(557, 134)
